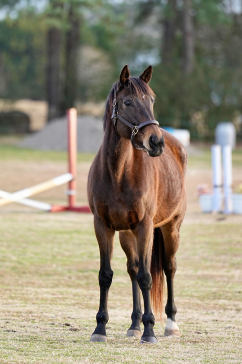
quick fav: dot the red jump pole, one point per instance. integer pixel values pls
(72, 155)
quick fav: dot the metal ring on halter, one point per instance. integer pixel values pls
(135, 131)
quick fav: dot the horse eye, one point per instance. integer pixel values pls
(127, 102)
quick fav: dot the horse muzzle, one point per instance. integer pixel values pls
(156, 146)
(153, 146)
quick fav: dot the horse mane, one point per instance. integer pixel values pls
(137, 87)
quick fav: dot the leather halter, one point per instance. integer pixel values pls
(135, 128)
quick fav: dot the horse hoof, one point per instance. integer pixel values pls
(172, 332)
(133, 333)
(96, 338)
(148, 340)
(171, 328)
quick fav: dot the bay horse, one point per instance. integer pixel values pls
(136, 187)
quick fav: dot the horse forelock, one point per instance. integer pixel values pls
(137, 88)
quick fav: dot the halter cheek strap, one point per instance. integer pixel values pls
(135, 128)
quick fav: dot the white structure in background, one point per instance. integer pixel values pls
(183, 135)
(222, 198)
(225, 134)
(227, 168)
(225, 137)
(216, 200)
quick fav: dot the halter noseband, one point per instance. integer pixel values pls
(135, 128)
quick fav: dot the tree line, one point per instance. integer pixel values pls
(68, 50)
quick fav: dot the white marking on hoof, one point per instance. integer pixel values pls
(171, 328)
(134, 333)
(95, 338)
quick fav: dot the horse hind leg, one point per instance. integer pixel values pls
(171, 241)
(128, 243)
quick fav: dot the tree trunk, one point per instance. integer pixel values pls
(169, 32)
(188, 37)
(72, 57)
(53, 82)
(2, 77)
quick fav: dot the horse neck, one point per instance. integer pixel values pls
(119, 154)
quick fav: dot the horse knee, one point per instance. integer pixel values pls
(144, 279)
(105, 278)
(102, 317)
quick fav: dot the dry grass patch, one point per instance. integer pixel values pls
(49, 288)
(49, 294)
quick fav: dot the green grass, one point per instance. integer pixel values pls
(201, 156)
(49, 294)
(9, 150)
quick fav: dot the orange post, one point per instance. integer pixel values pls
(72, 159)
(72, 155)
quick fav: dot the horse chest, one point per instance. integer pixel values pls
(120, 213)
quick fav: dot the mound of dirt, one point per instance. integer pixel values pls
(54, 135)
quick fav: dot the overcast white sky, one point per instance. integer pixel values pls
(236, 5)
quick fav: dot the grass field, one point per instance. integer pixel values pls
(48, 277)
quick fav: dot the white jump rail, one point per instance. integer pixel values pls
(20, 196)
(26, 201)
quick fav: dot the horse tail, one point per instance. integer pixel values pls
(156, 270)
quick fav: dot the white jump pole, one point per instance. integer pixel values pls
(227, 168)
(26, 201)
(27, 192)
(217, 178)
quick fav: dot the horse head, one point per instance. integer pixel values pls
(133, 114)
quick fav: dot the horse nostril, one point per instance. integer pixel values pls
(155, 142)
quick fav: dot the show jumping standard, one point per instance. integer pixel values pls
(136, 186)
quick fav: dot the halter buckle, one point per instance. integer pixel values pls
(135, 131)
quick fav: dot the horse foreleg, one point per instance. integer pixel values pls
(171, 241)
(144, 236)
(128, 243)
(105, 240)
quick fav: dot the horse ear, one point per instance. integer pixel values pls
(124, 76)
(146, 75)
